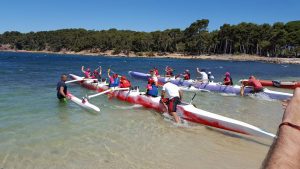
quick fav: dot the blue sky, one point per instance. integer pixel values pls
(140, 15)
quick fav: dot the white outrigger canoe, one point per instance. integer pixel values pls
(213, 87)
(185, 111)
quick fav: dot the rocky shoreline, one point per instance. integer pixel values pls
(241, 57)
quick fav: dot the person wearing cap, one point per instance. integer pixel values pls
(203, 75)
(124, 82)
(114, 80)
(186, 75)
(87, 72)
(152, 89)
(210, 77)
(227, 80)
(253, 82)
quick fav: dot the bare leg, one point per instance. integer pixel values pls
(242, 90)
(176, 117)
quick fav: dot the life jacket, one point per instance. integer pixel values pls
(187, 76)
(256, 84)
(156, 72)
(152, 90)
(230, 81)
(114, 82)
(125, 83)
(169, 73)
(87, 74)
(95, 74)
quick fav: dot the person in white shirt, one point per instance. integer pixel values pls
(171, 95)
(203, 75)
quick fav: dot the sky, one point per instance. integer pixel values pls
(140, 15)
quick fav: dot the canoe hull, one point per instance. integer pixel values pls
(185, 111)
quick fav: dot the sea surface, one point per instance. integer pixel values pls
(36, 131)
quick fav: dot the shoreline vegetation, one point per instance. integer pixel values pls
(222, 57)
(276, 43)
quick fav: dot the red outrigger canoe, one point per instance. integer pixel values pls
(280, 84)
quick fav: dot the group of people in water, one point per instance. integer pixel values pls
(171, 94)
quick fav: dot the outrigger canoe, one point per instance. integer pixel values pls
(279, 84)
(185, 111)
(213, 87)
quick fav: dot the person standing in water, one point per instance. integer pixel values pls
(62, 89)
(171, 95)
(253, 82)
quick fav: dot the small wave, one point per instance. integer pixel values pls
(260, 96)
(228, 94)
(167, 117)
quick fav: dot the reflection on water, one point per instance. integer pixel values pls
(36, 131)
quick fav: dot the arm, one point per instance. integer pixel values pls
(180, 94)
(82, 69)
(198, 71)
(285, 151)
(61, 91)
(100, 71)
(108, 73)
(163, 94)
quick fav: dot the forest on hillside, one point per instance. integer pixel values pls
(277, 40)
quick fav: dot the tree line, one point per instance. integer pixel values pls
(277, 40)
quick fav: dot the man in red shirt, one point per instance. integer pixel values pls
(253, 82)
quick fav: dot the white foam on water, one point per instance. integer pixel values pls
(228, 94)
(167, 117)
(261, 96)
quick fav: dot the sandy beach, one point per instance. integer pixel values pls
(241, 57)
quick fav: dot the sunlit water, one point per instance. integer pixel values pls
(36, 131)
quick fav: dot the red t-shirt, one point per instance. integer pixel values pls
(255, 83)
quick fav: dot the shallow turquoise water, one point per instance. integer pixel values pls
(36, 131)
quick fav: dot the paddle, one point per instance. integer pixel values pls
(193, 98)
(106, 91)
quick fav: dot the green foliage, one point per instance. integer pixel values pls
(275, 40)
